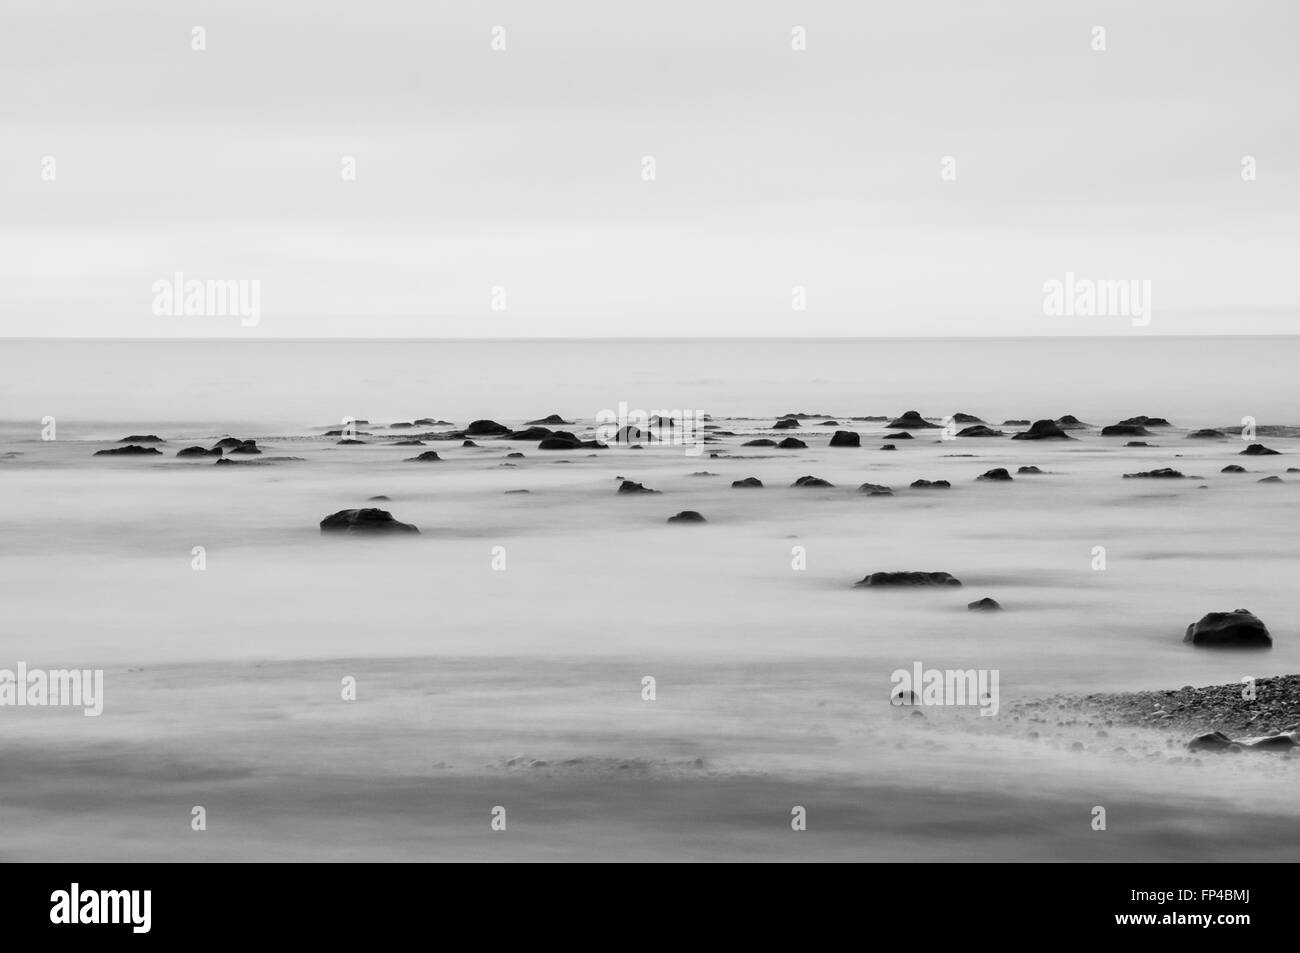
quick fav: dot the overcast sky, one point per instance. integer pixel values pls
(523, 169)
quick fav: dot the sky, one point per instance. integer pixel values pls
(503, 192)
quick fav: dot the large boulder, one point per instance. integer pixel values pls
(530, 433)
(875, 489)
(249, 447)
(142, 438)
(631, 486)
(687, 516)
(792, 443)
(987, 604)
(1015, 423)
(1259, 450)
(1125, 430)
(760, 442)
(229, 443)
(930, 485)
(747, 483)
(1207, 434)
(909, 579)
(845, 438)
(1239, 628)
(1043, 430)
(551, 419)
(1143, 421)
(811, 481)
(429, 456)
(785, 423)
(997, 474)
(911, 420)
(967, 419)
(485, 428)
(560, 440)
(130, 450)
(979, 430)
(199, 452)
(1071, 422)
(1162, 473)
(368, 521)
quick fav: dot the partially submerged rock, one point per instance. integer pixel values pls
(1125, 430)
(986, 604)
(1161, 473)
(429, 456)
(1028, 469)
(687, 516)
(979, 430)
(1043, 430)
(846, 438)
(368, 521)
(761, 442)
(747, 483)
(930, 485)
(1239, 628)
(142, 438)
(997, 474)
(811, 481)
(199, 452)
(631, 486)
(909, 579)
(791, 443)
(1259, 450)
(875, 489)
(552, 420)
(485, 428)
(911, 420)
(130, 450)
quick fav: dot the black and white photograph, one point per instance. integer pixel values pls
(742, 431)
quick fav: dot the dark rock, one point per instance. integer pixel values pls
(508, 492)
(1259, 450)
(341, 443)
(747, 483)
(1029, 469)
(1239, 628)
(845, 438)
(515, 456)
(1136, 443)
(997, 474)
(229, 443)
(1146, 422)
(984, 605)
(401, 424)
(967, 419)
(830, 423)
(248, 446)
(552, 419)
(142, 438)
(417, 443)
(687, 516)
(912, 420)
(423, 422)
(1233, 468)
(1162, 473)
(979, 430)
(875, 489)
(1125, 430)
(792, 443)
(1043, 430)
(429, 456)
(1210, 741)
(1271, 479)
(811, 481)
(888, 446)
(930, 485)
(131, 450)
(485, 428)
(761, 442)
(561, 440)
(1207, 435)
(367, 521)
(1071, 422)
(377, 499)
(530, 433)
(1015, 423)
(629, 486)
(786, 423)
(199, 452)
(909, 579)
(898, 436)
